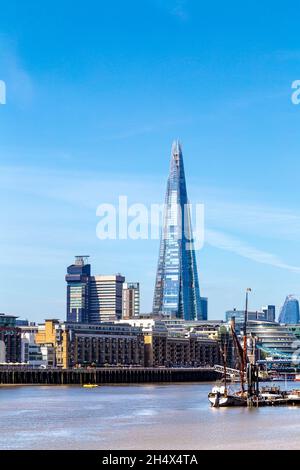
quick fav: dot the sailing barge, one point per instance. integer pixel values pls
(250, 394)
(268, 396)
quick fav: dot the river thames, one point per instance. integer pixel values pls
(158, 416)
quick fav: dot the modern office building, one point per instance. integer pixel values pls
(29, 353)
(177, 292)
(10, 339)
(270, 312)
(265, 314)
(92, 299)
(204, 307)
(209, 328)
(77, 278)
(131, 300)
(34, 354)
(272, 339)
(289, 313)
(295, 329)
(22, 322)
(105, 298)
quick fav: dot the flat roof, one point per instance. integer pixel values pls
(7, 315)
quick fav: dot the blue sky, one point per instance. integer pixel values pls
(95, 95)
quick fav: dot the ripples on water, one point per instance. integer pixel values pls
(171, 416)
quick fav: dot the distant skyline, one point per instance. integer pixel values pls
(94, 97)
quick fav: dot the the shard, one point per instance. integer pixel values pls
(177, 293)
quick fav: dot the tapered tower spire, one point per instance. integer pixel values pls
(177, 292)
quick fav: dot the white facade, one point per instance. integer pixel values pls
(34, 354)
(29, 350)
(105, 298)
(148, 325)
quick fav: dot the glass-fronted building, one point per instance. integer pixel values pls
(92, 299)
(177, 292)
(10, 339)
(295, 329)
(77, 278)
(270, 312)
(204, 307)
(265, 314)
(289, 313)
(272, 339)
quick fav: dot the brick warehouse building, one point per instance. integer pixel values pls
(146, 343)
(92, 344)
(165, 347)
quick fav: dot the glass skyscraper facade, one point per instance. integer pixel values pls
(204, 307)
(289, 313)
(177, 293)
(78, 275)
(92, 299)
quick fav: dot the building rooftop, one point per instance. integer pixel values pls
(8, 316)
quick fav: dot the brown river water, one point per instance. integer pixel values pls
(158, 416)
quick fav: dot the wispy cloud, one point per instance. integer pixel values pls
(19, 82)
(233, 212)
(233, 244)
(62, 186)
(235, 224)
(256, 219)
(175, 8)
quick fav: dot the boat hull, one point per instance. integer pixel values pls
(219, 401)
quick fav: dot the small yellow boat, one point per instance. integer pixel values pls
(90, 385)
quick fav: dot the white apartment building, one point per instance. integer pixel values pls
(105, 298)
